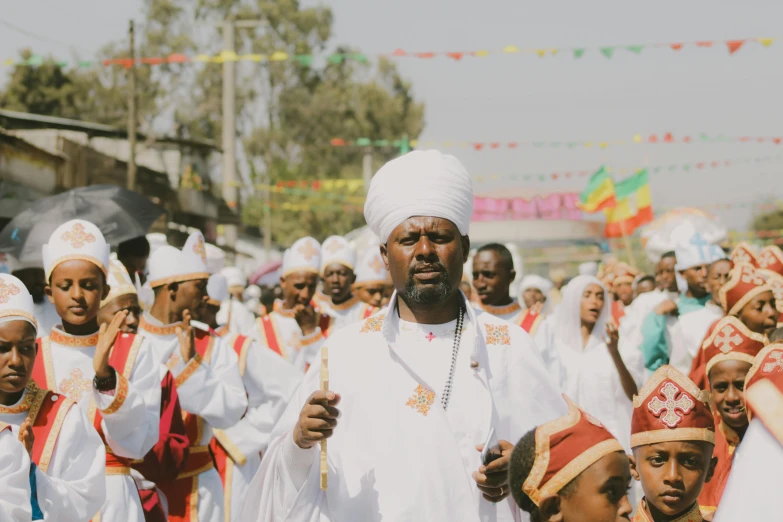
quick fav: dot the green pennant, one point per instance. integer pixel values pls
(84, 63)
(571, 144)
(364, 142)
(34, 61)
(607, 51)
(358, 57)
(538, 144)
(61, 64)
(686, 167)
(541, 178)
(381, 143)
(336, 58)
(304, 59)
(635, 48)
(704, 137)
(578, 53)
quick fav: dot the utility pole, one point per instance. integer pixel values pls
(132, 111)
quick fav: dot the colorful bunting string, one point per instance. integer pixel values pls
(306, 60)
(636, 139)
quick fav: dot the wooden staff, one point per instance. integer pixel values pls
(324, 387)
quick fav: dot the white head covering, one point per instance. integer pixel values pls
(252, 292)
(590, 268)
(16, 303)
(420, 183)
(371, 268)
(234, 277)
(336, 249)
(303, 256)
(568, 315)
(216, 258)
(119, 281)
(76, 239)
(156, 240)
(217, 289)
(536, 281)
(169, 265)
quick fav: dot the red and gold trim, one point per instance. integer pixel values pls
(24, 404)
(169, 329)
(313, 338)
(181, 278)
(119, 397)
(501, 310)
(228, 445)
(73, 341)
(267, 327)
(43, 369)
(530, 322)
(643, 514)
(190, 368)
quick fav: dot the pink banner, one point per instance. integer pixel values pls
(551, 206)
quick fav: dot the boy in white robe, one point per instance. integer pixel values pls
(296, 329)
(69, 458)
(205, 371)
(112, 376)
(338, 262)
(270, 381)
(15, 479)
(418, 386)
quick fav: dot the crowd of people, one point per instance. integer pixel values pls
(154, 383)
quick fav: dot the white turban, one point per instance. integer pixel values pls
(538, 282)
(420, 183)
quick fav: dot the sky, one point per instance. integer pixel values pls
(521, 97)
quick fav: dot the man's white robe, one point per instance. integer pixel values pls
(387, 459)
(693, 328)
(237, 316)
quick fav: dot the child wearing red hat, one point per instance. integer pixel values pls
(672, 437)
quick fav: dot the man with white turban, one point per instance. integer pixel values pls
(417, 387)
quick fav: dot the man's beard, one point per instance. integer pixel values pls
(431, 293)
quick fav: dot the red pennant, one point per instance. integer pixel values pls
(700, 165)
(676, 46)
(727, 163)
(512, 145)
(125, 62)
(399, 52)
(715, 164)
(178, 58)
(338, 142)
(653, 138)
(686, 139)
(668, 138)
(316, 185)
(494, 145)
(554, 176)
(568, 174)
(478, 146)
(279, 184)
(583, 172)
(153, 60)
(425, 55)
(704, 44)
(734, 45)
(455, 56)
(760, 140)
(292, 184)
(744, 139)
(776, 140)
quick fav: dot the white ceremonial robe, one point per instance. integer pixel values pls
(693, 327)
(754, 486)
(270, 382)
(214, 392)
(630, 330)
(589, 377)
(14, 479)
(73, 488)
(289, 341)
(237, 316)
(131, 431)
(349, 312)
(395, 454)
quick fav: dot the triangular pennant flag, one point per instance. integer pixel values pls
(766, 41)
(335, 58)
(703, 44)
(304, 59)
(425, 55)
(676, 46)
(363, 142)
(337, 142)
(494, 145)
(668, 138)
(510, 49)
(686, 139)
(455, 56)
(481, 54)
(399, 52)
(637, 138)
(513, 144)
(279, 56)
(734, 45)
(653, 138)
(541, 52)
(603, 144)
(776, 140)
(478, 146)
(635, 48)
(607, 51)
(578, 53)
(359, 57)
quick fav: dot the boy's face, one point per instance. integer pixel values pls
(17, 355)
(600, 494)
(673, 473)
(727, 383)
(76, 289)
(127, 302)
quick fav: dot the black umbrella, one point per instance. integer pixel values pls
(120, 214)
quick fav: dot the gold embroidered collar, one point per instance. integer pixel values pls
(73, 341)
(166, 329)
(25, 403)
(501, 310)
(285, 312)
(692, 515)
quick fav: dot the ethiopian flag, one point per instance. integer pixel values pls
(634, 206)
(599, 194)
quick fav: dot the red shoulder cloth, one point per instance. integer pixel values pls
(48, 413)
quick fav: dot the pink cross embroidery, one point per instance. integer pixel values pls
(671, 418)
(430, 336)
(776, 364)
(728, 339)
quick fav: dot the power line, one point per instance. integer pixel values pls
(32, 34)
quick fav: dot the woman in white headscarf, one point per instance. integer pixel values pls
(580, 348)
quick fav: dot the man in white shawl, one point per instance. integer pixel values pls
(414, 389)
